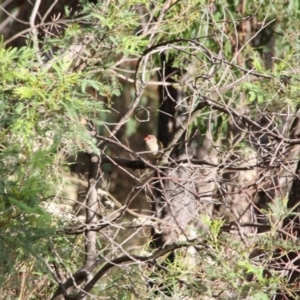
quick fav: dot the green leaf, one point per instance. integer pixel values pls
(252, 96)
(19, 108)
(260, 296)
(23, 92)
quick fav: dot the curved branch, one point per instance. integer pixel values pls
(126, 259)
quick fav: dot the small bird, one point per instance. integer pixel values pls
(153, 146)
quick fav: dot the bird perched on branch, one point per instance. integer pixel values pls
(153, 146)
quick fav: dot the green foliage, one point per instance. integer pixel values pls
(256, 93)
(40, 112)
